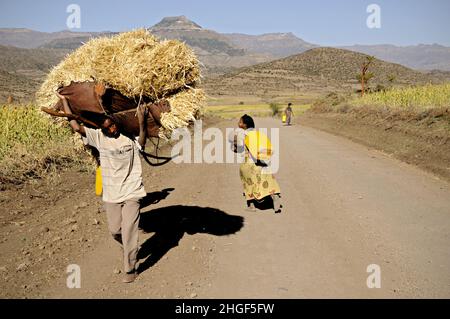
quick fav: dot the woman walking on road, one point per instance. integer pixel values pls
(258, 183)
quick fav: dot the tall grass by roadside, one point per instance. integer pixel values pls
(420, 97)
(32, 146)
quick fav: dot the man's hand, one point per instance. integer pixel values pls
(73, 124)
(66, 107)
(62, 97)
(142, 113)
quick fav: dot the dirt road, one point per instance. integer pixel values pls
(345, 207)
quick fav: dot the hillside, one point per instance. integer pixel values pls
(342, 65)
(20, 87)
(421, 57)
(204, 40)
(18, 60)
(277, 45)
(25, 38)
(318, 70)
(22, 70)
(74, 42)
(217, 53)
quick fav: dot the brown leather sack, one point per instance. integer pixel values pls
(93, 101)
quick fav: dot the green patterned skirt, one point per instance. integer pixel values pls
(257, 185)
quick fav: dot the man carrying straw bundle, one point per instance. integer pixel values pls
(121, 179)
(104, 81)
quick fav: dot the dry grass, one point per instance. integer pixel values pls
(185, 106)
(419, 97)
(136, 64)
(31, 146)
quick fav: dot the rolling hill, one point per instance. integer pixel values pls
(19, 60)
(20, 87)
(276, 45)
(318, 70)
(23, 70)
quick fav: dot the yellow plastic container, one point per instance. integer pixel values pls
(283, 118)
(98, 182)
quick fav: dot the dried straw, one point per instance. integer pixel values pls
(134, 63)
(186, 106)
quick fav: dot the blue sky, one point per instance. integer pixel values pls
(324, 22)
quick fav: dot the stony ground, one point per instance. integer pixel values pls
(345, 207)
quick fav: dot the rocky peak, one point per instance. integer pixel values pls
(176, 23)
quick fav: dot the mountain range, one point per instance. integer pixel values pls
(221, 52)
(29, 39)
(232, 62)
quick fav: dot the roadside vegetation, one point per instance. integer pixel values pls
(419, 98)
(410, 123)
(408, 100)
(33, 146)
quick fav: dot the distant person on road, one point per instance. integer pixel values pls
(122, 181)
(258, 184)
(289, 113)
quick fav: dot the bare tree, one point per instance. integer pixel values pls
(365, 76)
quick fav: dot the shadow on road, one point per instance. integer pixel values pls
(265, 204)
(171, 223)
(155, 197)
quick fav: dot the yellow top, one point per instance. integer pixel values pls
(259, 145)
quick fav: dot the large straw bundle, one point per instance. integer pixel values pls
(135, 64)
(182, 111)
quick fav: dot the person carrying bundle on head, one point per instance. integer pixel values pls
(121, 180)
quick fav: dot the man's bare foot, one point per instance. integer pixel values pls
(129, 277)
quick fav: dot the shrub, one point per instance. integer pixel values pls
(275, 109)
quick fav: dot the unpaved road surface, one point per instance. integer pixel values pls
(345, 207)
